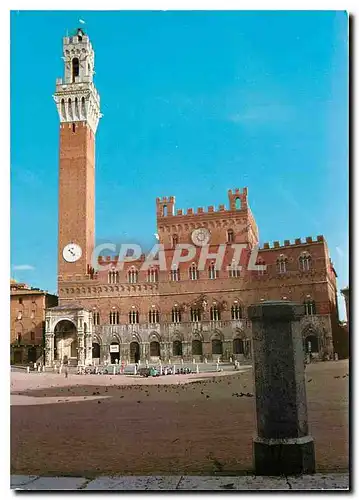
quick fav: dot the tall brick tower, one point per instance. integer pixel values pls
(78, 105)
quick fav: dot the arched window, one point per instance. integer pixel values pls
(114, 318)
(195, 314)
(113, 277)
(193, 272)
(152, 275)
(309, 307)
(196, 348)
(176, 315)
(174, 240)
(177, 348)
(234, 271)
(282, 264)
(63, 109)
(164, 211)
(96, 318)
(305, 262)
(261, 266)
(174, 275)
(75, 68)
(238, 346)
(215, 314)
(70, 108)
(132, 275)
(153, 316)
(212, 272)
(238, 204)
(83, 107)
(230, 236)
(133, 317)
(236, 311)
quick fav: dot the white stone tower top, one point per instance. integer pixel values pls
(76, 96)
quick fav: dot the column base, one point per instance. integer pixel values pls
(275, 457)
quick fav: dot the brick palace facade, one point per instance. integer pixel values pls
(183, 312)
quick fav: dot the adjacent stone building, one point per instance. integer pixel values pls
(27, 321)
(345, 293)
(181, 312)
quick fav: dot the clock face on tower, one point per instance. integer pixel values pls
(201, 236)
(72, 252)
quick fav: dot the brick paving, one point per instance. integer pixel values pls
(201, 428)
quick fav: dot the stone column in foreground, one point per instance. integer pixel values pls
(282, 445)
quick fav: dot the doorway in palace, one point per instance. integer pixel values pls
(134, 352)
(31, 355)
(155, 350)
(96, 352)
(115, 352)
(66, 347)
(17, 356)
(311, 345)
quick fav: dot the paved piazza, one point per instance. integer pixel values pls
(103, 425)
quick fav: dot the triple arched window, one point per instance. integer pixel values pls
(153, 316)
(176, 315)
(175, 275)
(133, 317)
(113, 277)
(152, 275)
(195, 314)
(114, 318)
(261, 266)
(133, 275)
(236, 311)
(234, 271)
(214, 312)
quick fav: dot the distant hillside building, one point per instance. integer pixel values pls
(27, 321)
(131, 314)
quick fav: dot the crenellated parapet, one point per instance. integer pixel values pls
(237, 202)
(298, 241)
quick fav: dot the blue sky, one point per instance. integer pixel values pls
(194, 103)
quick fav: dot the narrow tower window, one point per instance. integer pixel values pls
(238, 203)
(75, 68)
(73, 128)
